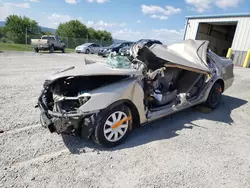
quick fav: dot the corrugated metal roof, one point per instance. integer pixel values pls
(219, 16)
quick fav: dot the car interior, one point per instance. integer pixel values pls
(166, 84)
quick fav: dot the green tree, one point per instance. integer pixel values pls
(91, 33)
(2, 32)
(106, 36)
(16, 27)
(72, 29)
(75, 33)
(103, 35)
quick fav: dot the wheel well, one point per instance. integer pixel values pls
(132, 107)
(135, 114)
(221, 82)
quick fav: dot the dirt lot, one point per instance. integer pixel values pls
(189, 149)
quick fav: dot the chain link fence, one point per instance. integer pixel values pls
(70, 43)
(74, 42)
(17, 43)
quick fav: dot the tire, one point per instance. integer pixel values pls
(109, 132)
(63, 49)
(36, 50)
(51, 49)
(214, 96)
(87, 51)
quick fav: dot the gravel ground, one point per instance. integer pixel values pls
(188, 149)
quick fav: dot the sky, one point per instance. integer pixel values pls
(125, 19)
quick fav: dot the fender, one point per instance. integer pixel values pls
(103, 97)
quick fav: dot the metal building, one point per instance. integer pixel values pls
(222, 32)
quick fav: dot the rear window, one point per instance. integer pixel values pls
(48, 38)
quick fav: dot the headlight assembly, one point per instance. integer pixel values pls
(83, 99)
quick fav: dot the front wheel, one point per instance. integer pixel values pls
(114, 127)
(214, 96)
(51, 49)
(87, 51)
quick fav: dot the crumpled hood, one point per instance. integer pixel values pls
(93, 69)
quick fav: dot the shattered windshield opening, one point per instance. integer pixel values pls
(120, 62)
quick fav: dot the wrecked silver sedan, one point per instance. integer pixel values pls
(105, 101)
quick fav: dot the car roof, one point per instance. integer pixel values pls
(125, 42)
(48, 35)
(88, 43)
(148, 40)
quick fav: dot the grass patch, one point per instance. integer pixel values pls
(69, 50)
(15, 47)
(21, 47)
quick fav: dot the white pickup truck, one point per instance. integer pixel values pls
(48, 42)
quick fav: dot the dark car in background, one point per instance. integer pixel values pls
(125, 50)
(149, 42)
(113, 48)
(144, 42)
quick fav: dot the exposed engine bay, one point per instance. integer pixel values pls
(65, 96)
(66, 89)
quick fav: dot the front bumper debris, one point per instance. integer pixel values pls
(72, 123)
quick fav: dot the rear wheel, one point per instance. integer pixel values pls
(214, 96)
(36, 50)
(114, 127)
(63, 49)
(51, 49)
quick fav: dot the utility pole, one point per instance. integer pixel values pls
(102, 40)
(26, 36)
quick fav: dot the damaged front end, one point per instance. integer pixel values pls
(60, 103)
